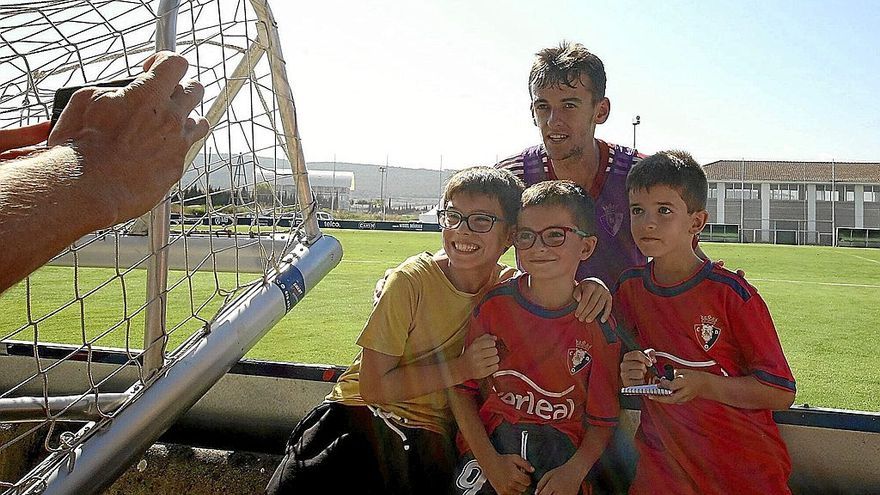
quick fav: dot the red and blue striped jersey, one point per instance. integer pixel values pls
(717, 323)
(553, 368)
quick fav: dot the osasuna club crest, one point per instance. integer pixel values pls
(578, 357)
(706, 331)
(610, 218)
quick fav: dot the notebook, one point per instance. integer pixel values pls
(645, 390)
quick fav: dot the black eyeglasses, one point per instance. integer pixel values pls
(477, 222)
(551, 236)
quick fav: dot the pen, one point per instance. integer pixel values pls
(629, 344)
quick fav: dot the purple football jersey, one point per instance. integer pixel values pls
(615, 250)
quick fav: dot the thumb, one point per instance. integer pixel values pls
(606, 313)
(523, 464)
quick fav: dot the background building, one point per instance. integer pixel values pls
(332, 189)
(794, 202)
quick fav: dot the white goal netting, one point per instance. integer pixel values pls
(146, 295)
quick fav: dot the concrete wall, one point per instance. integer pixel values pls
(832, 451)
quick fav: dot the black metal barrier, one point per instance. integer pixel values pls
(229, 420)
(334, 224)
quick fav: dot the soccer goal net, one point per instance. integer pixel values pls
(106, 346)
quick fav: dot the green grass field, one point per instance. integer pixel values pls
(824, 302)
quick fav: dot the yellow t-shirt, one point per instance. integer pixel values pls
(422, 318)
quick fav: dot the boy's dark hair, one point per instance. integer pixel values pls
(676, 169)
(566, 194)
(497, 183)
(569, 63)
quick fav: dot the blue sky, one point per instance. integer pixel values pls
(414, 80)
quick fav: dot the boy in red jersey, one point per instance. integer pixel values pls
(540, 422)
(715, 433)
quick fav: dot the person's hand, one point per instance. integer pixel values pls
(132, 141)
(480, 359)
(565, 479)
(593, 299)
(22, 141)
(380, 286)
(687, 385)
(739, 271)
(508, 474)
(634, 367)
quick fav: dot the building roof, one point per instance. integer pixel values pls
(329, 178)
(779, 171)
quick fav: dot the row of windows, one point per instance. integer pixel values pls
(737, 191)
(796, 192)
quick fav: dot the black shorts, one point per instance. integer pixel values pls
(346, 449)
(543, 446)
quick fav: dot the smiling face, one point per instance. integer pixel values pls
(469, 250)
(567, 118)
(553, 263)
(661, 224)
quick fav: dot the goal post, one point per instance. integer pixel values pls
(243, 208)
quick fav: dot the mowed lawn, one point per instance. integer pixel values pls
(824, 302)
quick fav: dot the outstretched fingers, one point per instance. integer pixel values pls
(196, 128)
(162, 73)
(186, 96)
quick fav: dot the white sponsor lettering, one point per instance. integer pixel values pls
(541, 408)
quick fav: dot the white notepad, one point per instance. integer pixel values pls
(645, 390)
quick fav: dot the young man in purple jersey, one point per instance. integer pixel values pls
(567, 88)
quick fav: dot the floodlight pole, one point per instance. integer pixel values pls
(636, 121)
(383, 170)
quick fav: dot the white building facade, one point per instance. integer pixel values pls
(794, 202)
(332, 189)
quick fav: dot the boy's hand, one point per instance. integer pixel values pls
(593, 299)
(687, 385)
(380, 286)
(480, 359)
(634, 367)
(508, 474)
(562, 480)
(739, 271)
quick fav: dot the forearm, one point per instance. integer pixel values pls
(44, 207)
(746, 392)
(467, 416)
(406, 382)
(593, 444)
